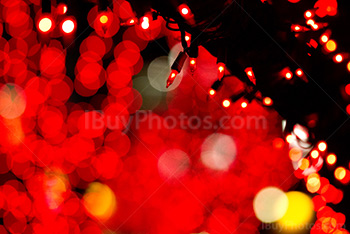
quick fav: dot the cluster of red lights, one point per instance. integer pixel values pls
(53, 148)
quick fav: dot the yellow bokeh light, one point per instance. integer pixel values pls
(100, 201)
(270, 204)
(45, 24)
(331, 159)
(304, 164)
(299, 214)
(313, 183)
(103, 19)
(295, 154)
(340, 173)
(331, 46)
(322, 146)
(315, 154)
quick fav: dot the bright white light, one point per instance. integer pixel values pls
(45, 24)
(301, 132)
(68, 26)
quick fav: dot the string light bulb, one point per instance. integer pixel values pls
(145, 23)
(176, 67)
(212, 92)
(185, 11)
(267, 101)
(171, 78)
(299, 72)
(226, 103)
(221, 70)
(193, 64)
(244, 104)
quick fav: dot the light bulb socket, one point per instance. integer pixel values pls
(179, 62)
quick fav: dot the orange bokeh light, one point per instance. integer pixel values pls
(304, 164)
(331, 46)
(340, 173)
(267, 101)
(104, 19)
(295, 154)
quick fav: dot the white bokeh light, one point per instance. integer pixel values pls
(270, 204)
(218, 152)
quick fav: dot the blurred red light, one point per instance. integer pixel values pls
(62, 9)
(244, 104)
